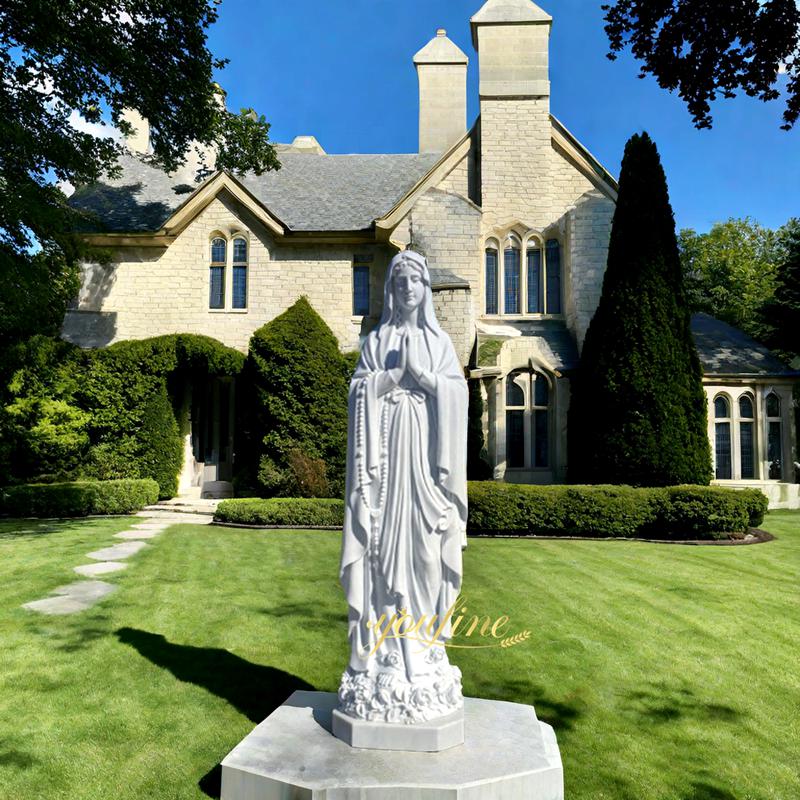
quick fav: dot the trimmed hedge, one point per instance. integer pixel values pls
(77, 498)
(675, 512)
(315, 512)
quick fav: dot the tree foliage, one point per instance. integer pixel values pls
(68, 66)
(730, 271)
(638, 411)
(783, 309)
(298, 384)
(705, 49)
(67, 413)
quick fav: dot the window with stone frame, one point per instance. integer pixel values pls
(216, 293)
(774, 436)
(529, 273)
(361, 282)
(528, 405)
(239, 273)
(723, 464)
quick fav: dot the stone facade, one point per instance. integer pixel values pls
(516, 181)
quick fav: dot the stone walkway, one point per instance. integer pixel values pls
(83, 594)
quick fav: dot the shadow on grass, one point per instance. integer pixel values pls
(663, 704)
(254, 690)
(31, 528)
(312, 617)
(708, 791)
(561, 714)
(11, 757)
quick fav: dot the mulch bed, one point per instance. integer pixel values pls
(753, 536)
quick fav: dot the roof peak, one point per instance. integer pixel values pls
(498, 11)
(440, 50)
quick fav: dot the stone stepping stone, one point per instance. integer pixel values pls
(72, 598)
(101, 568)
(148, 526)
(117, 551)
(137, 534)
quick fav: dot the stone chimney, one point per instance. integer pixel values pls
(512, 38)
(442, 72)
(139, 140)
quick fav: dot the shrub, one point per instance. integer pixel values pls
(298, 391)
(311, 512)
(102, 414)
(678, 512)
(77, 498)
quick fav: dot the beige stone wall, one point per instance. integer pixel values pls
(454, 312)
(152, 291)
(588, 231)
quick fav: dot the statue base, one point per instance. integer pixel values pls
(507, 752)
(430, 736)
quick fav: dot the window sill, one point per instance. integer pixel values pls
(228, 310)
(520, 317)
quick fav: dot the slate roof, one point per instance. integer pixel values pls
(309, 193)
(725, 350)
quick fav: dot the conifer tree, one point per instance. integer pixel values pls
(638, 411)
(783, 311)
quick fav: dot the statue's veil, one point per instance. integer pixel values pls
(427, 314)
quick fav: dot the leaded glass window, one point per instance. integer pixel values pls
(491, 281)
(239, 298)
(553, 267)
(747, 461)
(360, 288)
(722, 439)
(216, 293)
(511, 269)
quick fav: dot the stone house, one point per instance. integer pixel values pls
(512, 213)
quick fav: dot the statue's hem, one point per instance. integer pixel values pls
(429, 736)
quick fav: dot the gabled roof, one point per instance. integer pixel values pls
(726, 351)
(309, 193)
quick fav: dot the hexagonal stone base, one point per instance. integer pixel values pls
(507, 754)
(422, 737)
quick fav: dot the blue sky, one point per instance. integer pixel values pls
(341, 70)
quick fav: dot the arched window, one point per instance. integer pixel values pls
(722, 437)
(239, 293)
(491, 281)
(774, 436)
(747, 460)
(553, 271)
(535, 279)
(216, 295)
(527, 420)
(515, 419)
(512, 271)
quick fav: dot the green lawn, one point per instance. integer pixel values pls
(668, 672)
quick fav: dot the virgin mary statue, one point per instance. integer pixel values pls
(406, 509)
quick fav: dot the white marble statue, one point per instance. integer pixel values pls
(406, 505)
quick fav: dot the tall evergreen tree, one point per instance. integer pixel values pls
(638, 410)
(783, 311)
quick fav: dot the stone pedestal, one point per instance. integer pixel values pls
(421, 737)
(507, 754)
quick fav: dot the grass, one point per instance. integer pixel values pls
(668, 672)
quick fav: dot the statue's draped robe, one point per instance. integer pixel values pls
(407, 555)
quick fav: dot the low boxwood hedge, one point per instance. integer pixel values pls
(676, 512)
(78, 498)
(312, 512)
